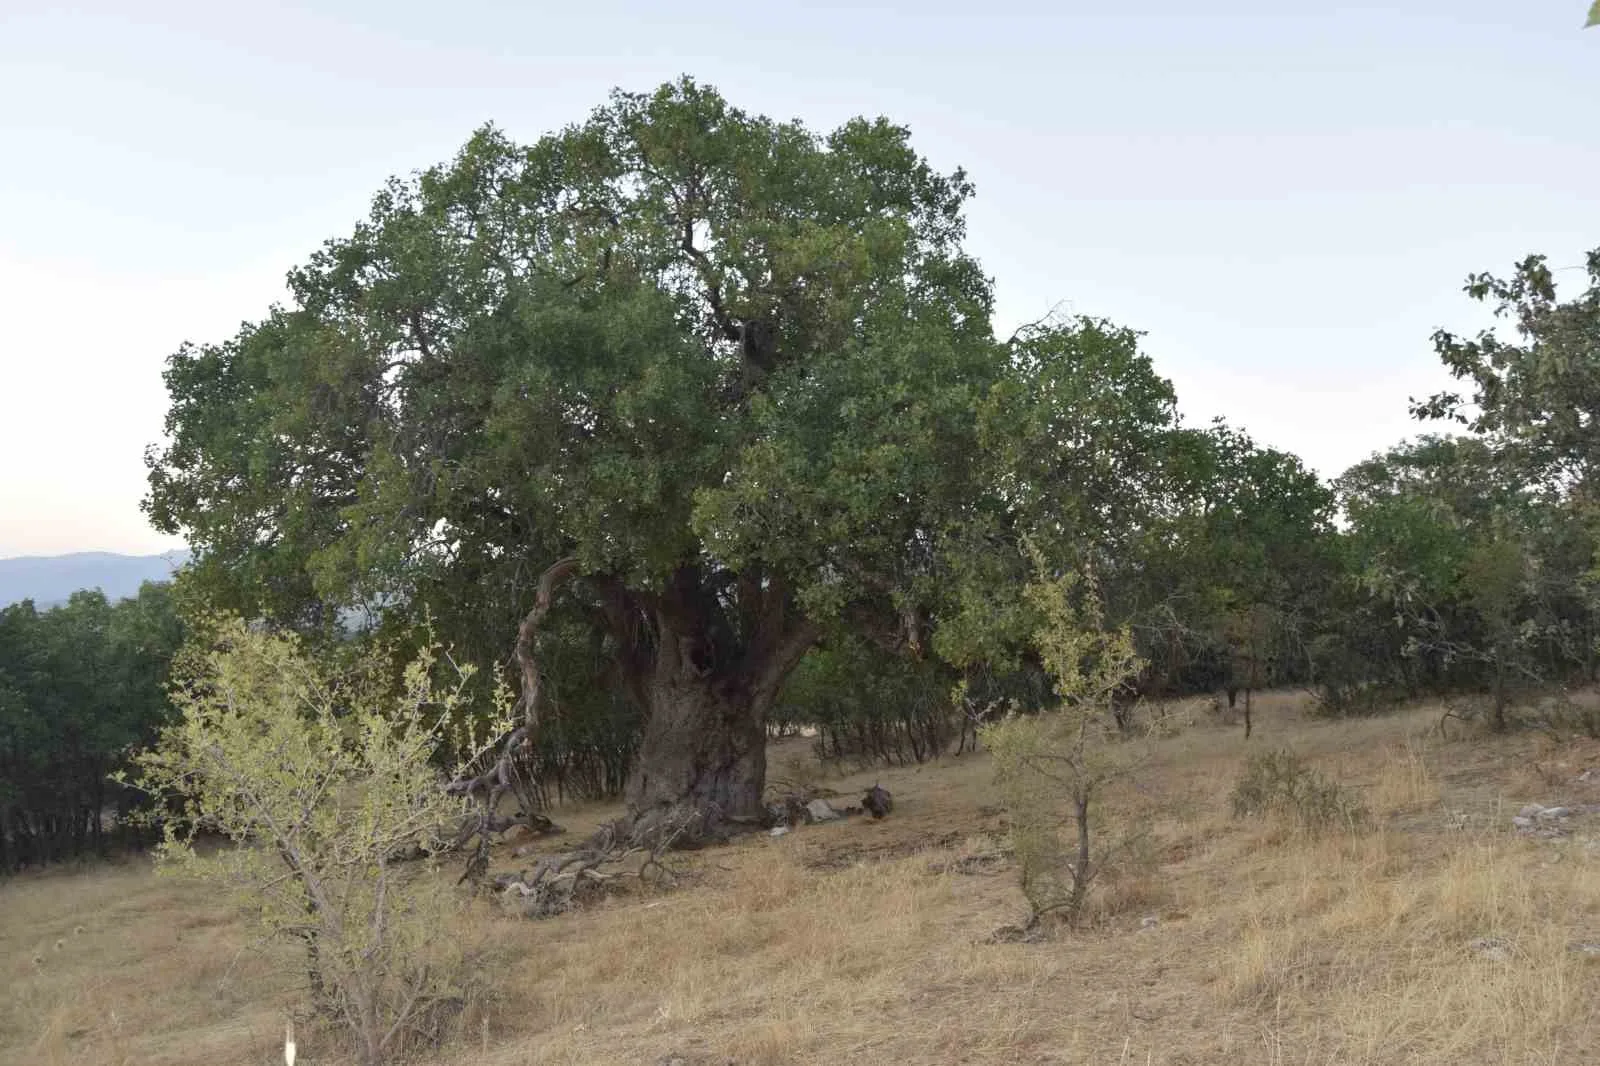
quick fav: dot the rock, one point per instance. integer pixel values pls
(1590, 948)
(517, 834)
(777, 831)
(1591, 774)
(820, 810)
(1148, 922)
(506, 880)
(1551, 814)
(1493, 948)
(1532, 810)
(1522, 822)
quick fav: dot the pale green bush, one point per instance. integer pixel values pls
(324, 784)
(1052, 767)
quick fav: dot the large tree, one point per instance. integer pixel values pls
(705, 384)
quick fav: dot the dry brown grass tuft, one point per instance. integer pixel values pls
(1405, 783)
(869, 942)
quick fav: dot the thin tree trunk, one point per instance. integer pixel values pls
(527, 643)
(1081, 872)
(99, 815)
(1499, 691)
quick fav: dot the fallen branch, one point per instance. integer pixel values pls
(556, 882)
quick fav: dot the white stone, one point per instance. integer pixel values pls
(821, 811)
(1493, 948)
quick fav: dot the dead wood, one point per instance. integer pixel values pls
(488, 781)
(558, 882)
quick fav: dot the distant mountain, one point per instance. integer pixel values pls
(48, 580)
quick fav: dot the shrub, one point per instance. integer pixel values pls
(323, 783)
(1279, 782)
(1564, 717)
(1065, 757)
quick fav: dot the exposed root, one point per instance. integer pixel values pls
(558, 882)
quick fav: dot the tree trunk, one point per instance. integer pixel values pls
(1500, 698)
(97, 827)
(701, 749)
(704, 667)
(1082, 871)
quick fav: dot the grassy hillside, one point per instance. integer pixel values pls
(871, 942)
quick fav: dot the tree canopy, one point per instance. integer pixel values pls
(723, 383)
(652, 408)
(1537, 396)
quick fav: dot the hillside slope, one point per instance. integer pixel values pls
(863, 942)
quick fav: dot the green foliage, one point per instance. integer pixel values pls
(1530, 396)
(1224, 586)
(1594, 15)
(869, 705)
(744, 372)
(1052, 767)
(80, 686)
(1462, 575)
(1279, 782)
(324, 783)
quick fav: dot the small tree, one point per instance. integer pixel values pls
(1071, 752)
(1247, 633)
(324, 784)
(1493, 581)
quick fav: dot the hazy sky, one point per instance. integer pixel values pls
(1286, 202)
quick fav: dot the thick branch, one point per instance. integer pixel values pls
(702, 264)
(790, 649)
(527, 638)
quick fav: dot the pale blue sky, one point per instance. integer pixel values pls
(1286, 196)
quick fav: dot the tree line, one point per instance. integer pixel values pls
(82, 686)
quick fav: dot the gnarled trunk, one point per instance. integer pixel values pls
(704, 655)
(701, 749)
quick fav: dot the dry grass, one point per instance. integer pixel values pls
(867, 942)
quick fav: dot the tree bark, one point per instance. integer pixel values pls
(528, 638)
(703, 654)
(703, 750)
(706, 696)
